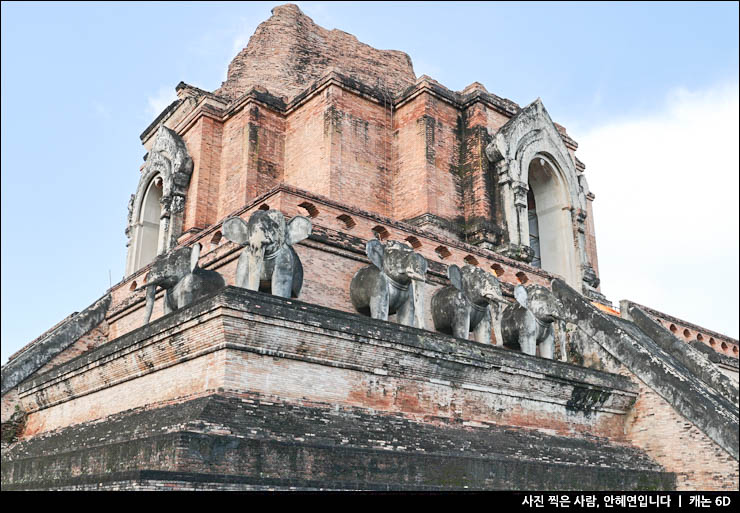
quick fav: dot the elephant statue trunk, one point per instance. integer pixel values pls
(257, 264)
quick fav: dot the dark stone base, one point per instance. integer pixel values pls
(245, 443)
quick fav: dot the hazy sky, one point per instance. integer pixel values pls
(649, 91)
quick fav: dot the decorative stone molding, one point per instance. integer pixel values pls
(517, 252)
(531, 135)
(169, 160)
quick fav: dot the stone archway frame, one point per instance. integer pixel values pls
(170, 159)
(528, 135)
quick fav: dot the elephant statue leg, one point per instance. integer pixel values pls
(410, 313)
(184, 292)
(242, 270)
(379, 305)
(482, 331)
(547, 345)
(496, 324)
(562, 340)
(528, 334)
(461, 324)
(167, 303)
(297, 274)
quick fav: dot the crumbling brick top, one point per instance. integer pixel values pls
(289, 52)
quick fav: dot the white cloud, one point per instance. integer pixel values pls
(159, 101)
(101, 110)
(666, 210)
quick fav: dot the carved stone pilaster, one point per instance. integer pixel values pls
(502, 172)
(520, 193)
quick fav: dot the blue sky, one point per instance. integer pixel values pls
(649, 90)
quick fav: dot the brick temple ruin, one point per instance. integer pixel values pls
(339, 149)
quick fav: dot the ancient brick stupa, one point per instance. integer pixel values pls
(342, 276)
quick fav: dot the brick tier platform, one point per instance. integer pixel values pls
(254, 391)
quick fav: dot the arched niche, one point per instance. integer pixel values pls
(531, 139)
(150, 224)
(551, 215)
(156, 210)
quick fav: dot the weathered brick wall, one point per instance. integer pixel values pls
(266, 151)
(307, 151)
(410, 185)
(359, 151)
(288, 52)
(204, 144)
(9, 402)
(679, 446)
(235, 144)
(653, 425)
(249, 442)
(427, 149)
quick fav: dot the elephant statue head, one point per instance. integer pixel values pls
(470, 304)
(268, 262)
(184, 282)
(393, 284)
(528, 322)
(478, 286)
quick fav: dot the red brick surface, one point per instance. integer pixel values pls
(288, 52)
(679, 446)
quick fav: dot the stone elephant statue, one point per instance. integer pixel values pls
(528, 322)
(184, 282)
(472, 303)
(393, 284)
(268, 262)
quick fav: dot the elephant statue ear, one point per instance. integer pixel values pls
(374, 249)
(520, 294)
(194, 256)
(299, 228)
(235, 229)
(455, 276)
